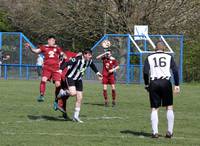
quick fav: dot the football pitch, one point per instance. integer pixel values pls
(25, 122)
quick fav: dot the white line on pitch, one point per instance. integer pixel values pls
(105, 118)
(91, 135)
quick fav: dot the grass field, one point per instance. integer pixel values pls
(25, 122)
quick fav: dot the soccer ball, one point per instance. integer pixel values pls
(106, 44)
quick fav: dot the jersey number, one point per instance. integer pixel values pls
(51, 54)
(161, 62)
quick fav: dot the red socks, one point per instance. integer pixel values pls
(113, 94)
(42, 87)
(105, 95)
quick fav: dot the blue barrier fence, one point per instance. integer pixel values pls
(133, 70)
(21, 65)
(23, 71)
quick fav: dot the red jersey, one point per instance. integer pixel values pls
(108, 64)
(51, 54)
(69, 55)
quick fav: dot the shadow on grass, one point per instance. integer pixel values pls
(97, 104)
(136, 133)
(45, 117)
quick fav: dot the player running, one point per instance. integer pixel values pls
(157, 81)
(50, 69)
(110, 65)
(60, 103)
(76, 68)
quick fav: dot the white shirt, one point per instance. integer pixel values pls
(40, 60)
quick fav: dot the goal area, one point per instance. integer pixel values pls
(131, 51)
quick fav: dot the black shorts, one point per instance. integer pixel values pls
(160, 92)
(64, 84)
(77, 83)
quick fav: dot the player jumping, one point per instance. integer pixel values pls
(50, 67)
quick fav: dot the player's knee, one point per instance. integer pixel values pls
(113, 87)
(154, 109)
(169, 107)
(57, 84)
(44, 79)
(72, 93)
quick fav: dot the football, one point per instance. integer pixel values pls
(106, 44)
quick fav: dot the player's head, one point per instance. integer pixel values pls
(51, 40)
(109, 53)
(160, 46)
(87, 54)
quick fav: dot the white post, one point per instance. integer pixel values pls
(135, 43)
(163, 39)
(150, 41)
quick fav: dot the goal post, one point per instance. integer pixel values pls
(131, 53)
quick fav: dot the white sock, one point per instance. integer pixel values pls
(76, 112)
(154, 121)
(170, 120)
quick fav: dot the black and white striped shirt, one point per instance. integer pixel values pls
(158, 66)
(77, 66)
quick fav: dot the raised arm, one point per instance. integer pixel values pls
(101, 55)
(36, 51)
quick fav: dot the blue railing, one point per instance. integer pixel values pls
(7, 69)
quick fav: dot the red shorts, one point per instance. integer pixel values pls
(108, 80)
(64, 72)
(51, 73)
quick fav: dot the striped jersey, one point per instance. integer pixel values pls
(77, 66)
(159, 66)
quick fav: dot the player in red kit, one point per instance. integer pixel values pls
(60, 103)
(110, 65)
(50, 69)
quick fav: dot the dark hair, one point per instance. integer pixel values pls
(159, 42)
(51, 37)
(108, 50)
(86, 51)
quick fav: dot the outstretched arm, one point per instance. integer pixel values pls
(101, 55)
(36, 51)
(65, 64)
(94, 68)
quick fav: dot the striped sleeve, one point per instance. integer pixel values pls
(93, 67)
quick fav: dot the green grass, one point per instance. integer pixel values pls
(25, 122)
